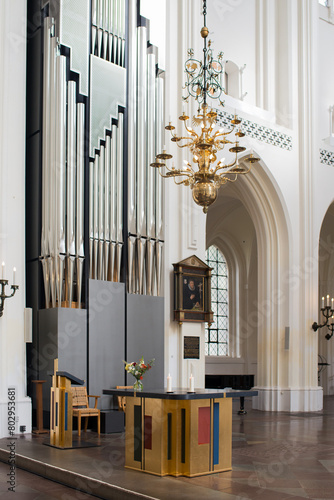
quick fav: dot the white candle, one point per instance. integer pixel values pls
(327, 300)
(3, 271)
(170, 118)
(191, 383)
(14, 272)
(322, 302)
(169, 383)
(164, 148)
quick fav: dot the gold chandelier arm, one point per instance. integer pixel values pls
(225, 141)
(176, 174)
(191, 131)
(170, 169)
(221, 134)
(232, 180)
(179, 183)
(184, 145)
(183, 172)
(245, 171)
(229, 165)
(163, 175)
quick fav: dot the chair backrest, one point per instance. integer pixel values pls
(122, 399)
(79, 395)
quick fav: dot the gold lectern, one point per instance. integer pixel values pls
(61, 414)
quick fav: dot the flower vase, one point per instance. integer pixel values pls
(138, 386)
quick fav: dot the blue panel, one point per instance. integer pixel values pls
(56, 414)
(66, 408)
(215, 433)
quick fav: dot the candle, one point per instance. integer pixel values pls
(327, 300)
(14, 272)
(191, 383)
(164, 148)
(322, 302)
(3, 270)
(169, 383)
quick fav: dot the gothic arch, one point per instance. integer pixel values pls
(263, 203)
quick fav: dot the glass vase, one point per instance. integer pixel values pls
(138, 385)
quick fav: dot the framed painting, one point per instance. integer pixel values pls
(192, 291)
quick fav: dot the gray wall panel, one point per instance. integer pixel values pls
(106, 337)
(62, 334)
(145, 336)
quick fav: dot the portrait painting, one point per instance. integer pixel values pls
(193, 287)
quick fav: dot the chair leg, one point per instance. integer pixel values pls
(79, 425)
(86, 423)
(98, 424)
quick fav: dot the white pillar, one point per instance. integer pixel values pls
(12, 209)
(185, 221)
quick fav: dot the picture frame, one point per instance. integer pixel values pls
(192, 291)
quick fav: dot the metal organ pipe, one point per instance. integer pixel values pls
(150, 174)
(113, 200)
(119, 196)
(141, 153)
(45, 161)
(60, 172)
(159, 200)
(80, 252)
(106, 244)
(96, 215)
(101, 173)
(94, 25)
(71, 188)
(132, 144)
(91, 219)
(52, 172)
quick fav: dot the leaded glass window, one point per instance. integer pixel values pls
(216, 336)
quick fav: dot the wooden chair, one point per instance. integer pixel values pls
(81, 407)
(122, 399)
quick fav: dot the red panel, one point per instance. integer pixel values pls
(204, 421)
(147, 432)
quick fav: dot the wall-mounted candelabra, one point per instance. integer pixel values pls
(3, 284)
(327, 312)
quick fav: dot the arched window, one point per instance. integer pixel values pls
(217, 335)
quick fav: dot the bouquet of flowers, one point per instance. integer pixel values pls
(138, 370)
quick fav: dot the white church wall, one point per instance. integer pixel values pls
(232, 26)
(12, 211)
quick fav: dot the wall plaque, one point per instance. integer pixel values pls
(191, 348)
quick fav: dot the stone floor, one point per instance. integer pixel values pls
(276, 456)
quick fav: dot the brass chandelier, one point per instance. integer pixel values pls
(206, 176)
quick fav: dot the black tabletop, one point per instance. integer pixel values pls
(182, 393)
